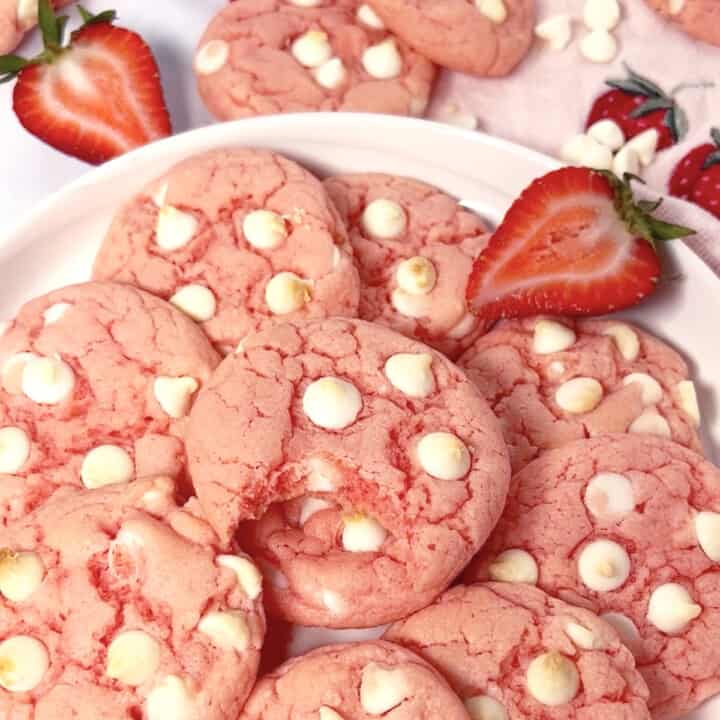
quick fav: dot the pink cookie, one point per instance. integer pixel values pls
(261, 57)
(95, 382)
(485, 37)
(382, 468)
(117, 604)
(503, 646)
(354, 682)
(238, 239)
(629, 527)
(554, 381)
(698, 18)
(18, 17)
(415, 247)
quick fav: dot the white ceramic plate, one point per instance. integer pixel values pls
(55, 244)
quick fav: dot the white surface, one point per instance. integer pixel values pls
(55, 245)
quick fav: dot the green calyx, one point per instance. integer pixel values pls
(52, 27)
(638, 215)
(714, 157)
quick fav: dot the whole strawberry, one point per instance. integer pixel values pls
(697, 176)
(574, 243)
(95, 98)
(637, 104)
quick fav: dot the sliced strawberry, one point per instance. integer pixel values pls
(573, 243)
(94, 99)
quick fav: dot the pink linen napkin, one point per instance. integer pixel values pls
(548, 97)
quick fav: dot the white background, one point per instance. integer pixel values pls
(30, 170)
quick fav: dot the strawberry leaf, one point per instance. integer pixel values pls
(630, 87)
(715, 135)
(712, 159)
(48, 24)
(107, 16)
(651, 88)
(649, 206)
(651, 105)
(676, 121)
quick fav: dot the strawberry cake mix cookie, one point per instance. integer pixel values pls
(374, 466)
(354, 682)
(260, 57)
(16, 18)
(629, 527)
(117, 604)
(95, 383)
(512, 652)
(415, 247)
(484, 37)
(239, 240)
(698, 18)
(551, 381)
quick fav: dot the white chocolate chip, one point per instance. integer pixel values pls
(609, 495)
(463, 328)
(411, 374)
(264, 229)
(587, 152)
(675, 7)
(608, 133)
(651, 423)
(624, 627)
(334, 602)
(366, 15)
(551, 336)
(159, 195)
(196, 301)
(383, 61)
(310, 507)
(687, 399)
(12, 371)
(483, 707)
(327, 713)
(331, 74)
(23, 663)
(604, 566)
(14, 449)
(581, 636)
(174, 228)
(601, 14)
(579, 395)
(320, 478)
(27, 14)
(106, 465)
(175, 394)
(652, 392)
(553, 679)
(382, 690)
(556, 31)
(626, 339)
(413, 306)
(626, 161)
(444, 456)
(47, 380)
(133, 657)
(332, 403)
(21, 574)
(312, 48)
(55, 312)
(384, 219)
(228, 630)
(287, 293)
(156, 501)
(362, 533)
(211, 57)
(707, 529)
(599, 46)
(645, 145)
(514, 566)
(493, 10)
(248, 576)
(171, 698)
(671, 608)
(416, 276)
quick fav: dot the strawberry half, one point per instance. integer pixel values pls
(574, 243)
(97, 97)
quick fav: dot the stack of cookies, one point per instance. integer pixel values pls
(271, 399)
